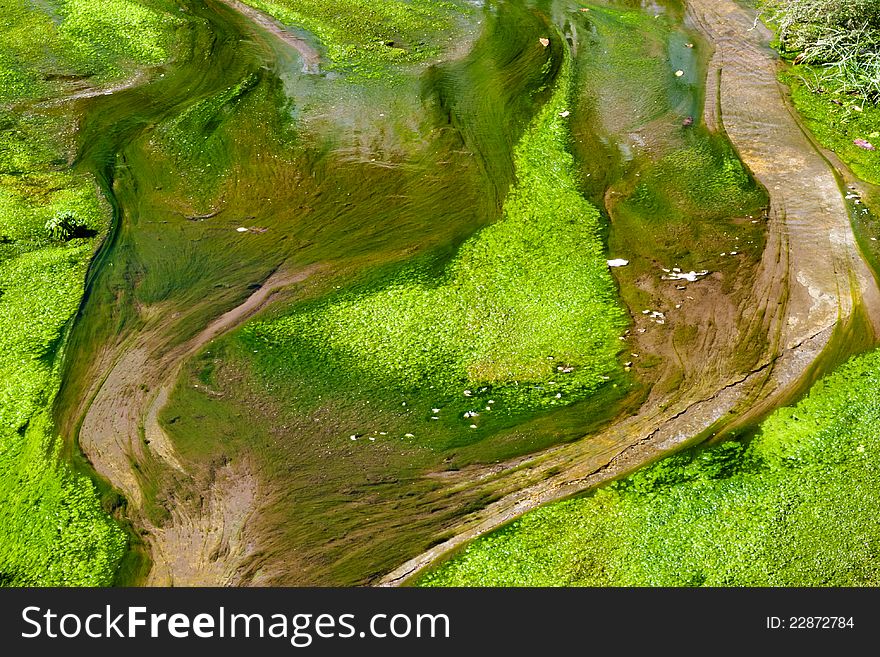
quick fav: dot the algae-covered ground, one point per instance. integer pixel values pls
(442, 193)
(795, 506)
(453, 346)
(792, 505)
(54, 530)
(368, 39)
(522, 317)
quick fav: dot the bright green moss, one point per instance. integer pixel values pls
(364, 38)
(113, 33)
(46, 45)
(54, 531)
(526, 308)
(705, 178)
(837, 120)
(796, 507)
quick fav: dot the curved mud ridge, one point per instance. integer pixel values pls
(811, 283)
(206, 539)
(310, 56)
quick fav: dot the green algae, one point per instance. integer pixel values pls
(349, 493)
(794, 507)
(525, 311)
(350, 509)
(190, 147)
(310, 185)
(45, 47)
(371, 38)
(54, 529)
(791, 508)
(836, 119)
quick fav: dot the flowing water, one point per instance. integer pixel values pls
(247, 176)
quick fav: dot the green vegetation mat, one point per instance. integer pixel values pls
(524, 314)
(794, 507)
(838, 120)
(54, 531)
(366, 38)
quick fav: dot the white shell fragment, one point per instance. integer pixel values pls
(691, 276)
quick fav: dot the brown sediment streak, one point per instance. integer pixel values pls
(310, 55)
(208, 543)
(809, 283)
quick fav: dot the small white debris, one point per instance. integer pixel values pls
(353, 437)
(434, 417)
(691, 276)
(558, 395)
(408, 435)
(677, 306)
(372, 439)
(383, 433)
(491, 401)
(435, 410)
(851, 196)
(618, 262)
(468, 393)
(734, 253)
(679, 73)
(473, 426)
(242, 229)
(544, 41)
(565, 114)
